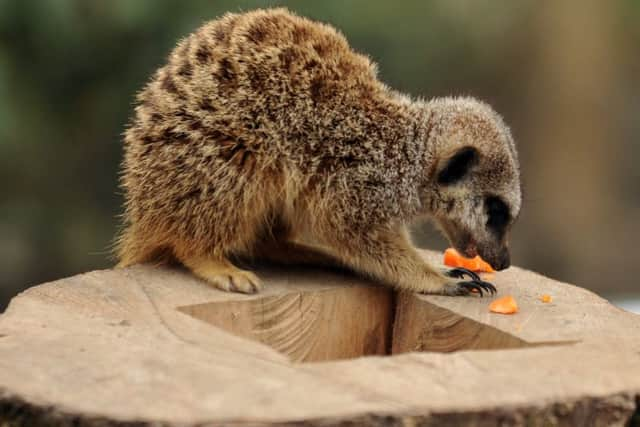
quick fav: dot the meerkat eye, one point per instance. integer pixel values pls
(458, 165)
(498, 213)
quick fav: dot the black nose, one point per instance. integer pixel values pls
(503, 261)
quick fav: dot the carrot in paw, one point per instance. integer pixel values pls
(453, 258)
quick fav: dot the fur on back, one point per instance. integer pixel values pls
(264, 118)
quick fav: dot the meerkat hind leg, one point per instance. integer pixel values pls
(222, 274)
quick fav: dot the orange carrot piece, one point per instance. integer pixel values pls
(453, 258)
(545, 298)
(504, 305)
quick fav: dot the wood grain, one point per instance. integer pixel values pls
(148, 346)
(337, 323)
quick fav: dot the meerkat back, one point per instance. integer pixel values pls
(206, 166)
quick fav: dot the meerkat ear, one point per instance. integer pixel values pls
(458, 165)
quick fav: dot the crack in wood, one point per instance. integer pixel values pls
(341, 324)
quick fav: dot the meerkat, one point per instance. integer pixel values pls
(265, 129)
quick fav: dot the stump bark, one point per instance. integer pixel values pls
(153, 346)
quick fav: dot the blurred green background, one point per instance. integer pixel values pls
(565, 75)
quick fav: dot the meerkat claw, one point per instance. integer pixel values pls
(470, 286)
(459, 273)
(244, 282)
(486, 286)
(465, 288)
(490, 287)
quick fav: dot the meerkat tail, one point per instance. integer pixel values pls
(127, 249)
(130, 249)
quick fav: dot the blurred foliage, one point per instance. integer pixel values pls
(69, 70)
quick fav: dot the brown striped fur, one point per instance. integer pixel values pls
(265, 128)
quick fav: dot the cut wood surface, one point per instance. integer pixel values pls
(312, 323)
(443, 324)
(159, 347)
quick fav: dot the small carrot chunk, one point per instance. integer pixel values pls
(545, 298)
(504, 305)
(453, 258)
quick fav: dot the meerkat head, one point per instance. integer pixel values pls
(473, 182)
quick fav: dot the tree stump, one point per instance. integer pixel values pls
(156, 346)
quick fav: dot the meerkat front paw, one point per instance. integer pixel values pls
(466, 287)
(446, 286)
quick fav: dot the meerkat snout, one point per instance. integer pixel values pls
(477, 183)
